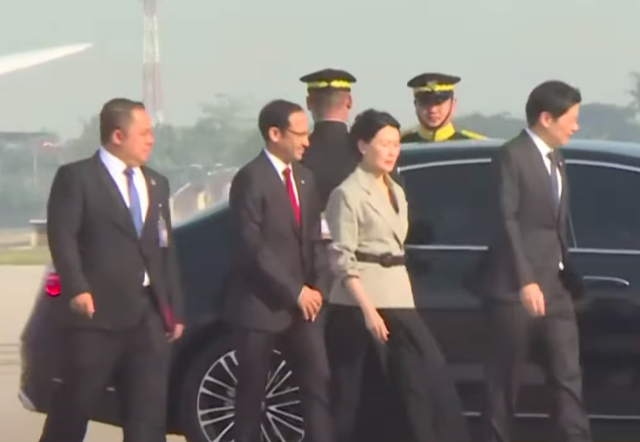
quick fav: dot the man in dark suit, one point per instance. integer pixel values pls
(527, 278)
(109, 227)
(331, 155)
(279, 274)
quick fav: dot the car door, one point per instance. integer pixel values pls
(450, 226)
(605, 220)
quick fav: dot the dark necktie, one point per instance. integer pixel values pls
(553, 174)
(135, 208)
(288, 182)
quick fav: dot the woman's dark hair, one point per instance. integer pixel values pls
(368, 123)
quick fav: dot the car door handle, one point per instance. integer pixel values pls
(606, 289)
(605, 281)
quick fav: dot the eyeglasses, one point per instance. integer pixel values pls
(300, 134)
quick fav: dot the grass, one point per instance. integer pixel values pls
(25, 256)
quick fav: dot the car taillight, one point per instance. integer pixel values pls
(52, 284)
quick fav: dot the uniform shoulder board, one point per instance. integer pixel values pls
(472, 135)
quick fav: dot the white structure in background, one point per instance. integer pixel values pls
(211, 190)
(22, 60)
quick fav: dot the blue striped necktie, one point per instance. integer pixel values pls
(135, 208)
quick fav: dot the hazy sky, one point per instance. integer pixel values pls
(501, 48)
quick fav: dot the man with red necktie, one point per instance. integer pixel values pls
(279, 274)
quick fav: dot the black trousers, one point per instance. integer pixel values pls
(511, 331)
(304, 347)
(411, 360)
(137, 357)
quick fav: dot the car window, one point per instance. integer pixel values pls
(450, 203)
(605, 210)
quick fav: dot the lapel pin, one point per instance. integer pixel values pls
(153, 182)
(301, 181)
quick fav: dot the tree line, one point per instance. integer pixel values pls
(225, 135)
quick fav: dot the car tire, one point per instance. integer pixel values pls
(207, 397)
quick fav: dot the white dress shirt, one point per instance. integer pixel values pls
(116, 168)
(544, 151)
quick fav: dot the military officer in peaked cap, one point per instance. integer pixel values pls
(435, 105)
(331, 155)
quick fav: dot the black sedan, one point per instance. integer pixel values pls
(449, 189)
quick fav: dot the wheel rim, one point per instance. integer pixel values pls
(281, 420)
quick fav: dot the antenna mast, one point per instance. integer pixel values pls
(151, 82)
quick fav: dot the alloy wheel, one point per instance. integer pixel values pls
(282, 420)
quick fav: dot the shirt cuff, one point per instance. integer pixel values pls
(324, 228)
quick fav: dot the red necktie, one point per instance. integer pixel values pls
(288, 182)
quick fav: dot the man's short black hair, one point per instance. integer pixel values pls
(276, 114)
(554, 97)
(116, 115)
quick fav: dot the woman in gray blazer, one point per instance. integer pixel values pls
(372, 295)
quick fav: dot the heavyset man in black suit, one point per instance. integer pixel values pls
(527, 280)
(279, 274)
(109, 234)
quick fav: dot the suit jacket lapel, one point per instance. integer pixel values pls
(539, 168)
(564, 195)
(301, 187)
(120, 213)
(379, 202)
(152, 215)
(563, 177)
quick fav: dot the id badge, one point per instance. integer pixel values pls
(163, 232)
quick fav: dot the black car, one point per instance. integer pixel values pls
(449, 190)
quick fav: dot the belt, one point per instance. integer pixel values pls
(385, 260)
